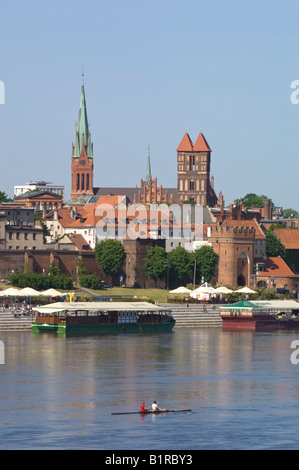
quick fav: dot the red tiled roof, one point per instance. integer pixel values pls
(64, 216)
(186, 144)
(80, 242)
(275, 266)
(201, 145)
(289, 237)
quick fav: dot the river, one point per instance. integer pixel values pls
(59, 393)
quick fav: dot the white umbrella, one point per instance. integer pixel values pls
(246, 290)
(10, 292)
(180, 290)
(223, 290)
(30, 292)
(205, 288)
(51, 292)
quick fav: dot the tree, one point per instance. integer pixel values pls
(110, 256)
(206, 261)
(52, 270)
(253, 200)
(91, 281)
(155, 264)
(4, 197)
(274, 245)
(290, 213)
(179, 262)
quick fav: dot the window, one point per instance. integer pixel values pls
(192, 163)
(191, 186)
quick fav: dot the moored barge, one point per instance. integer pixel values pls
(260, 315)
(71, 318)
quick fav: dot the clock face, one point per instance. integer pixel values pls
(83, 163)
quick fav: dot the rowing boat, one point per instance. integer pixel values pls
(149, 412)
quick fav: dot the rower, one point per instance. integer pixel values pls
(143, 407)
(155, 406)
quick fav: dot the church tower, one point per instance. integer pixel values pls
(193, 164)
(82, 154)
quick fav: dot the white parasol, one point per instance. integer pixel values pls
(205, 288)
(28, 291)
(223, 290)
(11, 292)
(51, 293)
(246, 290)
(180, 290)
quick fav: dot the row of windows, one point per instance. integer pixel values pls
(198, 185)
(18, 236)
(84, 182)
(192, 159)
(18, 213)
(44, 205)
(202, 168)
(21, 247)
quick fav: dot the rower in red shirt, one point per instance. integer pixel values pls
(143, 407)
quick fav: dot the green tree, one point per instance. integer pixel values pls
(4, 197)
(206, 261)
(40, 281)
(52, 270)
(290, 213)
(274, 245)
(155, 264)
(91, 281)
(110, 256)
(46, 230)
(253, 200)
(179, 262)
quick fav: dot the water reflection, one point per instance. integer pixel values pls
(59, 390)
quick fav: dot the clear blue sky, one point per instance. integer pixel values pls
(153, 69)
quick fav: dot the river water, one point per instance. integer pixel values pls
(58, 393)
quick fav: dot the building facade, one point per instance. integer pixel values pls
(193, 172)
(82, 154)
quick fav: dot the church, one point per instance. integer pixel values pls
(193, 171)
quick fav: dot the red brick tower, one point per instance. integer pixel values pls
(82, 154)
(193, 164)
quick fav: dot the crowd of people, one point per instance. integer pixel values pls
(17, 309)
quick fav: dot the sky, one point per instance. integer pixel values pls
(152, 70)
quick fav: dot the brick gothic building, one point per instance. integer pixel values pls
(193, 169)
(235, 247)
(82, 154)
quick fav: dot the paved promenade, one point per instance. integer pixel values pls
(195, 315)
(11, 320)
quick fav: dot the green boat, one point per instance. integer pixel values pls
(92, 318)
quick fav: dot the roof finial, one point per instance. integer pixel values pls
(148, 168)
(82, 74)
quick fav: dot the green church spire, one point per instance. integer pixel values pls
(148, 168)
(82, 131)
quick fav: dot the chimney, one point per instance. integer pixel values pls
(74, 212)
(267, 209)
